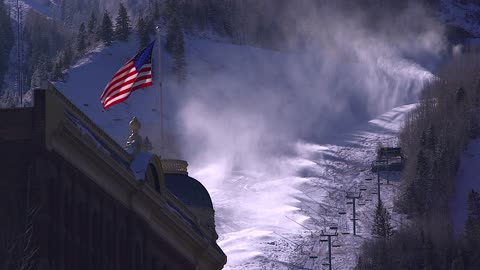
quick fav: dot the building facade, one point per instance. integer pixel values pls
(72, 198)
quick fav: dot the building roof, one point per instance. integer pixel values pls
(140, 164)
(188, 190)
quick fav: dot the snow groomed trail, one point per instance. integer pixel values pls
(323, 174)
(269, 207)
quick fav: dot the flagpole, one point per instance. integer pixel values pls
(159, 76)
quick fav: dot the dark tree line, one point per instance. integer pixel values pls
(175, 44)
(266, 23)
(434, 136)
(6, 40)
(49, 48)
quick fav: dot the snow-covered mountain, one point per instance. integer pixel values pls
(277, 137)
(232, 121)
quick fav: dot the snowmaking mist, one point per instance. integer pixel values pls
(247, 110)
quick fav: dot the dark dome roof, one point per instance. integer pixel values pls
(190, 191)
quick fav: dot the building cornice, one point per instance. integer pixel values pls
(86, 151)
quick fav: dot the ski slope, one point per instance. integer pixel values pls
(277, 138)
(261, 130)
(336, 168)
(265, 235)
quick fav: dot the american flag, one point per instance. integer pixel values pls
(135, 74)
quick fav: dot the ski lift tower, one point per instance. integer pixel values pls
(19, 56)
(354, 195)
(332, 232)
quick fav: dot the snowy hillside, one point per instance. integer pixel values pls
(340, 167)
(264, 234)
(279, 137)
(240, 124)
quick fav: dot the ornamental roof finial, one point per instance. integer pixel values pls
(134, 142)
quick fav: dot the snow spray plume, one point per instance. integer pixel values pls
(243, 115)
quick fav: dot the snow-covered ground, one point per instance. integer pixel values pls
(335, 169)
(468, 179)
(277, 138)
(262, 131)
(320, 177)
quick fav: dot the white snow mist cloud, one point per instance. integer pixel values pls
(246, 108)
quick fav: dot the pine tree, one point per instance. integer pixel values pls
(57, 73)
(156, 11)
(92, 23)
(175, 46)
(432, 138)
(428, 256)
(409, 199)
(39, 75)
(81, 39)
(7, 40)
(472, 231)
(172, 32)
(170, 9)
(472, 225)
(150, 25)
(68, 57)
(106, 29)
(179, 64)
(423, 139)
(381, 224)
(142, 34)
(122, 24)
(458, 263)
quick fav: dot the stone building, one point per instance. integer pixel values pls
(72, 198)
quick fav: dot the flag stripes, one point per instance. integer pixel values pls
(134, 75)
